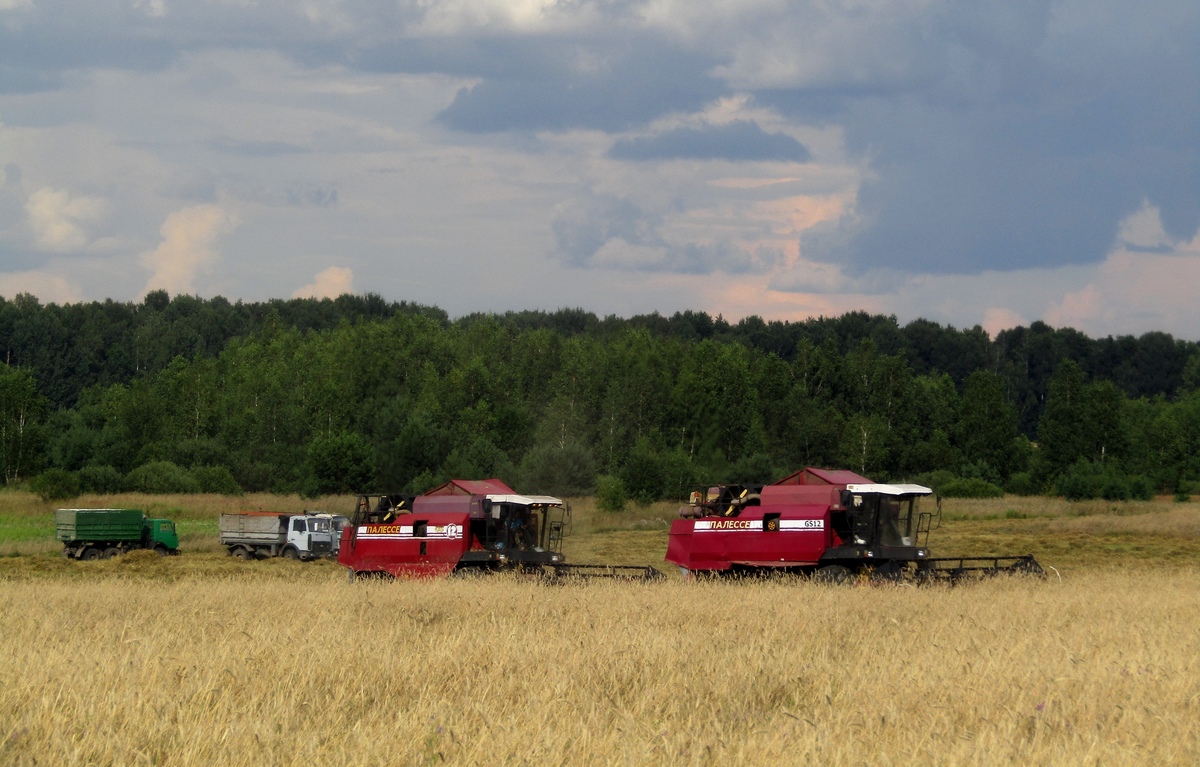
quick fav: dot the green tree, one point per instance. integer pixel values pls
(341, 463)
(21, 407)
(161, 477)
(865, 446)
(644, 473)
(986, 429)
(610, 493)
(1062, 430)
(566, 470)
(55, 485)
(1107, 431)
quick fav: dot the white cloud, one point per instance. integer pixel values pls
(1137, 291)
(58, 221)
(153, 8)
(187, 247)
(1144, 229)
(48, 287)
(996, 319)
(446, 17)
(330, 283)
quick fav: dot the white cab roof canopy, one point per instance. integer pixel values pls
(526, 500)
(890, 489)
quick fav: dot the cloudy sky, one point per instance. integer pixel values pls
(985, 162)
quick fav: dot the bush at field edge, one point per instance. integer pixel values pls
(971, 487)
(55, 485)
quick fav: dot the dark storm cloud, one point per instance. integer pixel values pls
(1030, 153)
(561, 85)
(739, 140)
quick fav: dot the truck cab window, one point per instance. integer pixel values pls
(298, 525)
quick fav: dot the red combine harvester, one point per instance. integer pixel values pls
(832, 524)
(464, 526)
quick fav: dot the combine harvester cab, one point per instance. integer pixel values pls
(466, 527)
(832, 524)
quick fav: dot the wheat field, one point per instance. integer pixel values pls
(1103, 668)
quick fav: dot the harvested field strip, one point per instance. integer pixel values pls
(246, 670)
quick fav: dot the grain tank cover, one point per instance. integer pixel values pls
(889, 489)
(526, 500)
(814, 476)
(472, 487)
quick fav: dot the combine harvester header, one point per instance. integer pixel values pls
(832, 524)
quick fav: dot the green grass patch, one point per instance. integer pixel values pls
(26, 528)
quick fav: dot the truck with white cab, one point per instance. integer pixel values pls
(263, 534)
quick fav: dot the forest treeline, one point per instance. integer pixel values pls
(359, 393)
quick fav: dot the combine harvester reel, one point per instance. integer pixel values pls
(836, 526)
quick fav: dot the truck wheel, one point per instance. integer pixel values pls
(240, 552)
(91, 554)
(161, 550)
(290, 553)
(833, 574)
(111, 552)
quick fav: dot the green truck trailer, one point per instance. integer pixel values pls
(104, 533)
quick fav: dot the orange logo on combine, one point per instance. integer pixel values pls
(731, 524)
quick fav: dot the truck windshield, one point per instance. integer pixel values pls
(895, 520)
(318, 525)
